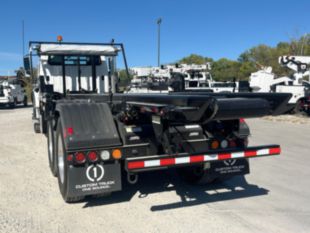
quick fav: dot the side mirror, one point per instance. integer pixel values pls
(27, 65)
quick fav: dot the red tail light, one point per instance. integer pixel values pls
(92, 156)
(232, 143)
(80, 157)
(70, 130)
(241, 120)
(70, 157)
(154, 109)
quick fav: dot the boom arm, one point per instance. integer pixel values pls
(296, 63)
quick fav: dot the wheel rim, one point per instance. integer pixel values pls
(61, 163)
(50, 143)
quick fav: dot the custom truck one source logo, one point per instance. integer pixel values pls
(95, 173)
(230, 162)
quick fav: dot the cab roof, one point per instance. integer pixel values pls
(76, 49)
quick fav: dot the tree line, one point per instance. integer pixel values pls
(253, 59)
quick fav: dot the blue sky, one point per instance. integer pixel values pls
(210, 28)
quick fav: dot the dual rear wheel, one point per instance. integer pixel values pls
(200, 175)
(61, 165)
(56, 158)
(196, 175)
(57, 161)
(51, 147)
(25, 101)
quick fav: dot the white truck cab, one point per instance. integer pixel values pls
(12, 93)
(68, 69)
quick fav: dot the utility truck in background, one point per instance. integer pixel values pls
(94, 133)
(196, 77)
(298, 84)
(12, 93)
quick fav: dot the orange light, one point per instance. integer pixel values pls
(59, 38)
(215, 144)
(116, 154)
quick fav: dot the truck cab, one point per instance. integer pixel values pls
(70, 69)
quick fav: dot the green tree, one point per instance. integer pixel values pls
(124, 80)
(253, 59)
(245, 70)
(260, 54)
(225, 69)
(194, 59)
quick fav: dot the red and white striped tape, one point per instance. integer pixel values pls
(139, 164)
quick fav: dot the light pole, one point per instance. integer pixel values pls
(23, 37)
(158, 58)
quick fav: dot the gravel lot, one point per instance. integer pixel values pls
(273, 198)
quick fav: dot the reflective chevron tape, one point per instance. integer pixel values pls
(164, 162)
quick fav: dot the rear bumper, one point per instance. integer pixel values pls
(139, 164)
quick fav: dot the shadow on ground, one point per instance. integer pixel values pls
(4, 107)
(186, 194)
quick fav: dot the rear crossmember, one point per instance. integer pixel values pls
(163, 161)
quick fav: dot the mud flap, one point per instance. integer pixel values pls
(229, 167)
(94, 179)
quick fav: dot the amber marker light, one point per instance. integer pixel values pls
(59, 38)
(215, 144)
(116, 154)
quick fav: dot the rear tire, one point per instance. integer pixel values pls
(196, 175)
(62, 166)
(297, 108)
(51, 147)
(25, 102)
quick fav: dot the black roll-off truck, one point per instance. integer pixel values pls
(94, 133)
